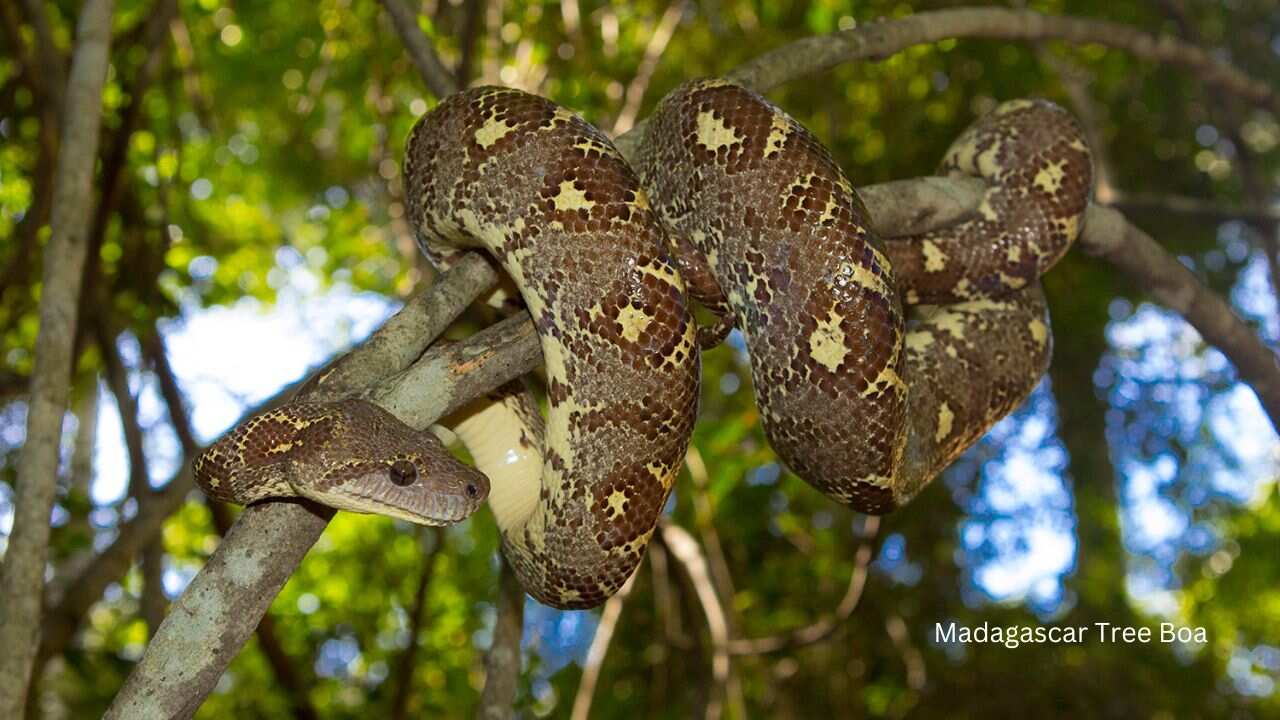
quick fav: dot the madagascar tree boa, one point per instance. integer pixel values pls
(875, 363)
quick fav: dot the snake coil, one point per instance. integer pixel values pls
(874, 362)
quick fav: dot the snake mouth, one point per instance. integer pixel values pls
(423, 501)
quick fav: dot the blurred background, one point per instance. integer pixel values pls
(250, 225)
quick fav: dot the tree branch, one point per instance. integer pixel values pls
(223, 604)
(879, 40)
(648, 64)
(687, 552)
(433, 71)
(882, 39)
(405, 664)
(596, 653)
(22, 576)
(502, 661)
(826, 626)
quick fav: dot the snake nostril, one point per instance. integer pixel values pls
(403, 473)
(472, 491)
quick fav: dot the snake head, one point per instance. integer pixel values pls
(418, 481)
(350, 455)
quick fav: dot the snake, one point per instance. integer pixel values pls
(874, 361)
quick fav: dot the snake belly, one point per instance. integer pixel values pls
(863, 401)
(551, 199)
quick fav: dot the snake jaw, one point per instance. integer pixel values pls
(422, 489)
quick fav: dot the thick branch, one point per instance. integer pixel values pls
(22, 577)
(223, 604)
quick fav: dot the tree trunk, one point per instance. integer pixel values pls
(22, 578)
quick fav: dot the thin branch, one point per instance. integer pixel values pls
(51, 70)
(687, 552)
(882, 39)
(648, 64)
(502, 661)
(431, 543)
(591, 667)
(1139, 202)
(433, 71)
(827, 626)
(473, 15)
(22, 576)
(911, 657)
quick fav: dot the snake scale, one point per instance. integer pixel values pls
(875, 362)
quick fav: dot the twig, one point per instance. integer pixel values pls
(648, 64)
(22, 576)
(591, 668)
(687, 552)
(408, 660)
(433, 71)
(502, 661)
(826, 626)
(911, 657)
(1131, 202)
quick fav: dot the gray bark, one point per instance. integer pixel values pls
(22, 577)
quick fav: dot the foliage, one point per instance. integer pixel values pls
(267, 155)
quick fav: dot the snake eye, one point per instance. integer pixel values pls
(403, 473)
(472, 491)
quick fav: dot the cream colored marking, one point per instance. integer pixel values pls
(934, 259)
(283, 447)
(945, 416)
(963, 289)
(1039, 332)
(913, 297)
(987, 165)
(887, 379)
(1070, 225)
(827, 343)
(492, 131)
(863, 277)
(987, 212)
(873, 479)
(642, 199)
(713, 133)
(919, 340)
(779, 131)
(571, 198)
(953, 321)
(633, 321)
(1012, 281)
(1049, 178)
(617, 504)
(664, 272)
(950, 350)
(1078, 144)
(1014, 253)
(1007, 107)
